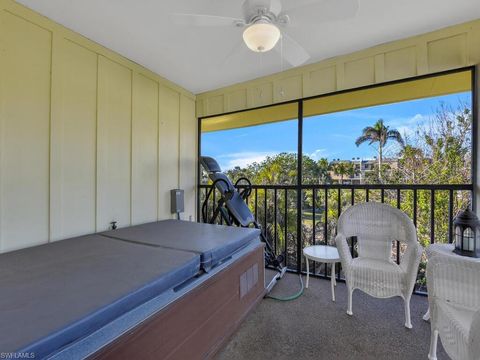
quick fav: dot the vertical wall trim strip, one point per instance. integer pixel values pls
(132, 79)
(2, 131)
(96, 145)
(52, 42)
(159, 104)
(179, 148)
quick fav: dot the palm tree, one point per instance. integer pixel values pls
(322, 166)
(342, 168)
(379, 133)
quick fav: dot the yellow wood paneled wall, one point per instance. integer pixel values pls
(25, 129)
(86, 136)
(445, 49)
(145, 150)
(73, 141)
(114, 133)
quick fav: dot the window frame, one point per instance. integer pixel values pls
(474, 92)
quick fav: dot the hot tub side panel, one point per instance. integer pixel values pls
(198, 324)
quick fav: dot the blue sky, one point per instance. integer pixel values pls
(331, 136)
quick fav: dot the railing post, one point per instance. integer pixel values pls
(339, 202)
(275, 217)
(256, 204)
(450, 216)
(415, 207)
(314, 232)
(206, 209)
(265, 210)
(325, 211)
(398, 207)
(286, 228)
(432, 216)
(325, 225)
(299, 185)
(214, 199)
(314, 205)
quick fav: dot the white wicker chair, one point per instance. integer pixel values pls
(376, 226)
(454, 299)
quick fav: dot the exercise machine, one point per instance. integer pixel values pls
(233, 211)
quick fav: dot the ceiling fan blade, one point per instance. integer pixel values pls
(205, 20)
(293, 52)
(237, 51)
(313, 12)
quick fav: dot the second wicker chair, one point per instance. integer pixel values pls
(376, 226)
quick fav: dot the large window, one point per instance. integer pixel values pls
(410, 132)
(425, 141)
(266, 154)
(260, 144)
(416, 132)
(409, 144)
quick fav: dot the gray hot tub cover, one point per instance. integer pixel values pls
(54, 294)
(214, 243)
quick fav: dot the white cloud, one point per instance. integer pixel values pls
(419, 118)
(242, 159)
(318, 154)
(407, 126)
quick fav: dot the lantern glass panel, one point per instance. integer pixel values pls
(458, 237)
(468, 239)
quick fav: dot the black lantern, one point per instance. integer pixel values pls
(467, 233)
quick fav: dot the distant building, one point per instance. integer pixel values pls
(361, 168)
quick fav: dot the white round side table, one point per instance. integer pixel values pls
(323, 254)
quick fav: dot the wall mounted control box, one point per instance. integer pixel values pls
(177, 201)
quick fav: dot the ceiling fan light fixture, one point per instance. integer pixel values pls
(261, 36)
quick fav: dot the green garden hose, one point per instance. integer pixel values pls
(291, 297)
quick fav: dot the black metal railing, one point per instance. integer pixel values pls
(432, 208)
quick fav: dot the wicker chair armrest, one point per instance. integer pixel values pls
(343, 250)
(410, 262)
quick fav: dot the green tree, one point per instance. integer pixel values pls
(342, 169)
(315, 172)
(322, 171)
(379, 133)
(278, 169)
(412, 166)
(437, 152)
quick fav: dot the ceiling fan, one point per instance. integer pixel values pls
(265, 22)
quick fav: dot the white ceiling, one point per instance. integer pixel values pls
(201, 59)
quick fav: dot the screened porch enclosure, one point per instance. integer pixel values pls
(298, 205)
